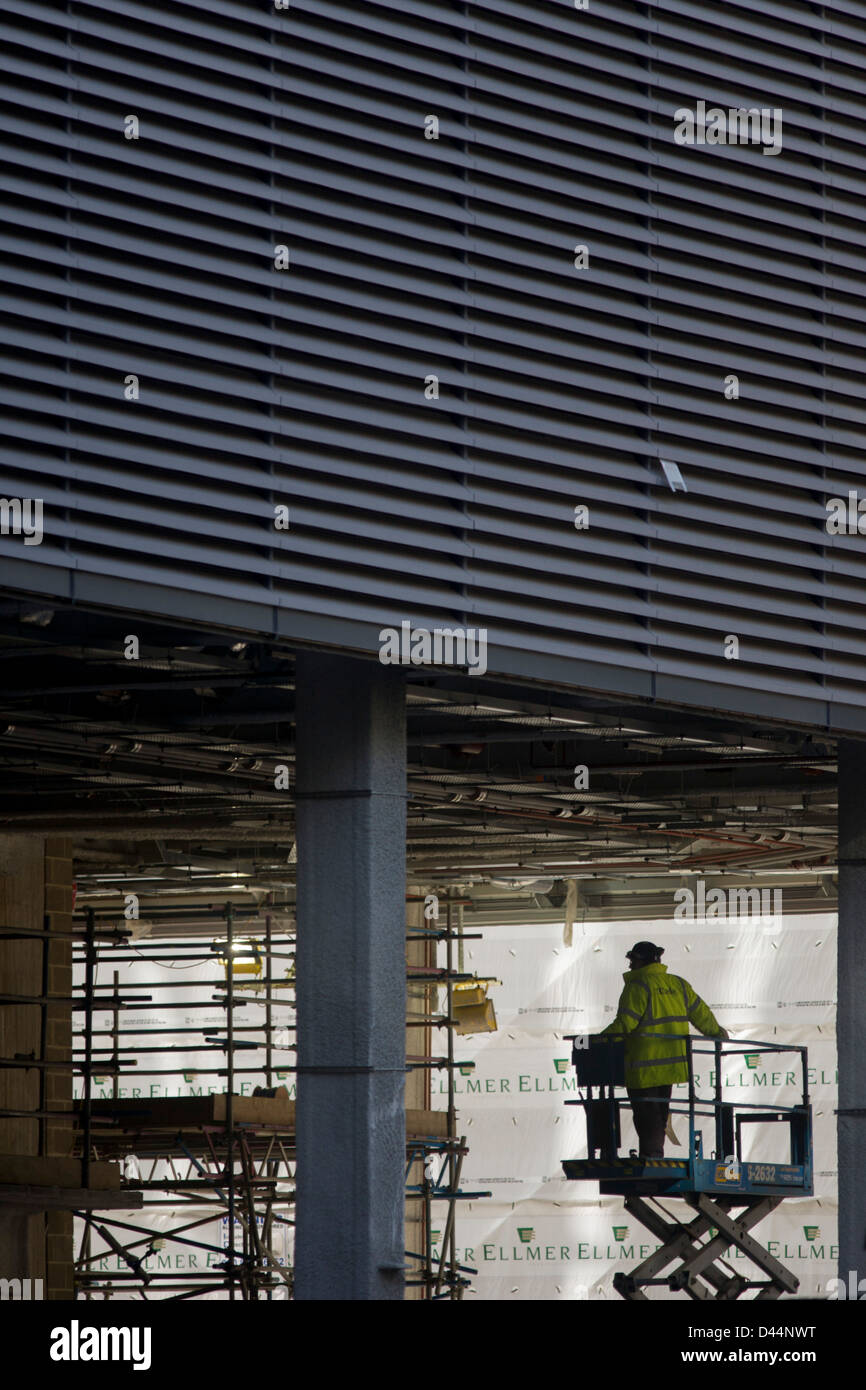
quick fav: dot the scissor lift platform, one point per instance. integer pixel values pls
(620, 1177)
(727, 1195)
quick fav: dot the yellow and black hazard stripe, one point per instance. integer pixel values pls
(629, 1163)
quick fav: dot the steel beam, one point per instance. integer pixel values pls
(351, 978)
(851, 1012)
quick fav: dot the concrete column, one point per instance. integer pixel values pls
(851, 1015)
(351, 978)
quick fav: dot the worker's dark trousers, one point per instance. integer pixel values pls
(650, 1107)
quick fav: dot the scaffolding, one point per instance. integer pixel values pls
(223, 1157)
(434, 1164)
(191, 1161)
(43, 1180)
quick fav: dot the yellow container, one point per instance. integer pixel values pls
(464, 995)
(475, 1018)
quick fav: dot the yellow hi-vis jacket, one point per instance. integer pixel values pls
(652, 1003)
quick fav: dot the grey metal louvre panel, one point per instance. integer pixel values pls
(451, 258)
(481, 271)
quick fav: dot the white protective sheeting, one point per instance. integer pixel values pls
(763, 984)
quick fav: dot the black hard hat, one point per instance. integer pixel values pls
(645, 950)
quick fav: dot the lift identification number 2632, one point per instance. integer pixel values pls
(761, 1172)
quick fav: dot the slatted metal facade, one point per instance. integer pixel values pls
(455, 257)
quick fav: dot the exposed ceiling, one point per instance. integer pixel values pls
(162, 768)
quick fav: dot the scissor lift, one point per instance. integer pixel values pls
(727, 1195)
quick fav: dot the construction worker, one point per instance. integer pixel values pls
(655, 1003)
